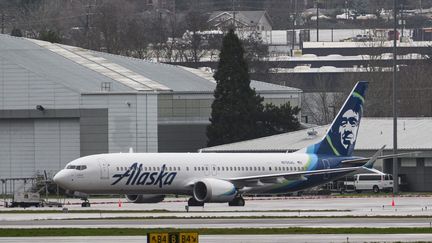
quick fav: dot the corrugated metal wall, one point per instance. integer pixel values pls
(33, 145)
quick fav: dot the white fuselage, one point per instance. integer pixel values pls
(175, 173)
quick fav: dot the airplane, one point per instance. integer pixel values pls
(225, 177)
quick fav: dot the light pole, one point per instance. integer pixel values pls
(395, 159)
(317, 21)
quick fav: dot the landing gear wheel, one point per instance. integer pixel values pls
(194, 203)
(85, 204)
(238, 201)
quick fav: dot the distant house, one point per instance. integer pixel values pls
(245, 20)
(161, 4)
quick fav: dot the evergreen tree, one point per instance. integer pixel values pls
(16, 32)
(236, 106)
(237, 111)
(50, 36)
(278, 119)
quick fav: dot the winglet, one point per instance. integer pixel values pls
(372, 160)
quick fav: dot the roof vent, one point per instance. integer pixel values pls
(106, 86)
(312, 133)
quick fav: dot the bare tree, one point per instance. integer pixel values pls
(323, 105)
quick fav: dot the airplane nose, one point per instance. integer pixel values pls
(60, 178)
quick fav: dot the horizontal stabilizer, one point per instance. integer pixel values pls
(372, 160)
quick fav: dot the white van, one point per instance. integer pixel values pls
(374, 182)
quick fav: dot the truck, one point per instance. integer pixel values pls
(26, 199)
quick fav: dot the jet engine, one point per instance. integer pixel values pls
(150, 198)
(214, 190)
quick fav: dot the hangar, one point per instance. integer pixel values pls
(415, 170)
(61, 102)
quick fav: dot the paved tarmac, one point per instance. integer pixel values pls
(311, 238)
(223, 223)
(288, 207)
(377, 207)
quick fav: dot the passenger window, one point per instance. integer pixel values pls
(259, 168)
(218, 168)
(250, 168)
(178, 168)
(235, 168)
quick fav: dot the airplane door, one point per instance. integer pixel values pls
(326, 165)
(206, 170)
(214, 170)
(104, 169)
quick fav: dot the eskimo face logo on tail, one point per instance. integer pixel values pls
(136, 176)
(348, 128)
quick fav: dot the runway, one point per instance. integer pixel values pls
(310, 212)
(223, 223)
(311, 238)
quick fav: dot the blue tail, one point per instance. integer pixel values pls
(342, 135)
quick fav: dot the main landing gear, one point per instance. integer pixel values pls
(194, 203)
(238, 202)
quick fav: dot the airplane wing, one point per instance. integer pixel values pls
(276, 178)
(364, 160)
(300, 175)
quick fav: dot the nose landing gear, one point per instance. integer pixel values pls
(85, 203)
(237, 202)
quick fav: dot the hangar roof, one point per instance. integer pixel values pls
(372, 135)
(85, 71)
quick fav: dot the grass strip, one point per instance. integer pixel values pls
(205, 231)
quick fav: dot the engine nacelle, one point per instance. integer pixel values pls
(145, 198)
(214, 190)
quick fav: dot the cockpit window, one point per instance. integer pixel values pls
(81, 167)
(76, 167)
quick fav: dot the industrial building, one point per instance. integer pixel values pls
(415, 169)
(61, 102)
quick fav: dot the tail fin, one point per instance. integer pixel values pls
(342, 134)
